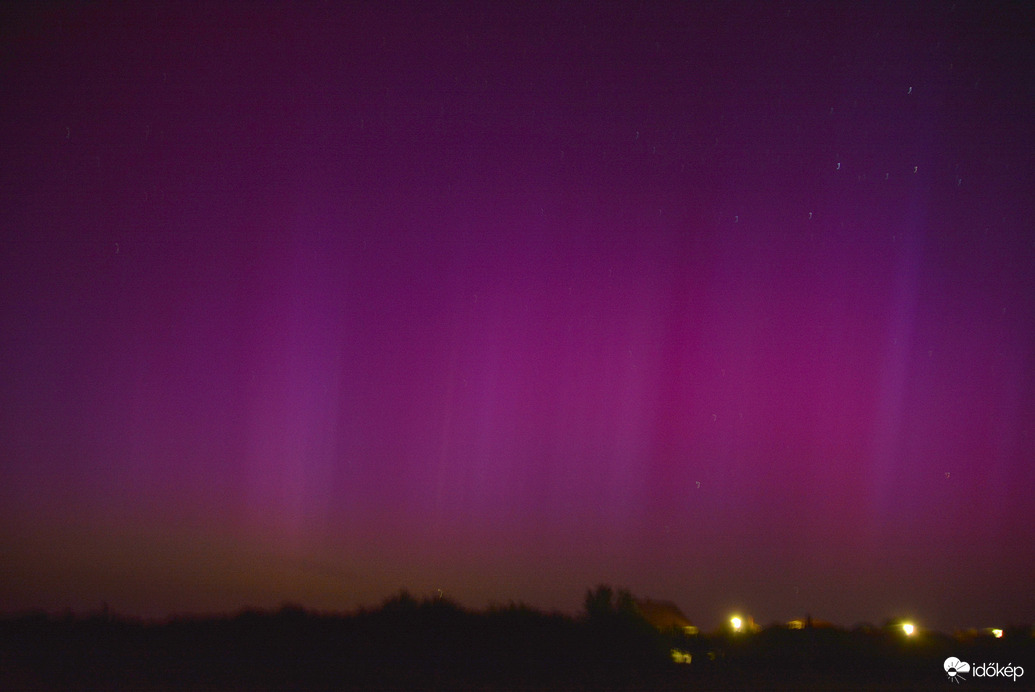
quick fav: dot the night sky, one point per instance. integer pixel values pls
(729, 304)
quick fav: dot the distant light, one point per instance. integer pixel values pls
(737, 623)
(680, 656)
(908, 629)
(997, 633)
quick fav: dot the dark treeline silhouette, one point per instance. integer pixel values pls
(435, 644)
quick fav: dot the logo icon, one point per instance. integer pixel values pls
(955, 668)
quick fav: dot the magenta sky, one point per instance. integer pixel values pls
(733, 305)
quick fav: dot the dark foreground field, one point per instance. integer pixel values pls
(436, 645)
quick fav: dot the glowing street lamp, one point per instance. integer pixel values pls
(908, 628)
(997, 633)
(737, 623)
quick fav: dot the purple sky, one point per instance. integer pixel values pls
(730, 304)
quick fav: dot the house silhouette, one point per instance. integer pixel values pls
(665, 616)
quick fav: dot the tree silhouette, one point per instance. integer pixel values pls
(599, 601)
(605, 601)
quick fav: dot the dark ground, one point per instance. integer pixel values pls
(436, 645)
